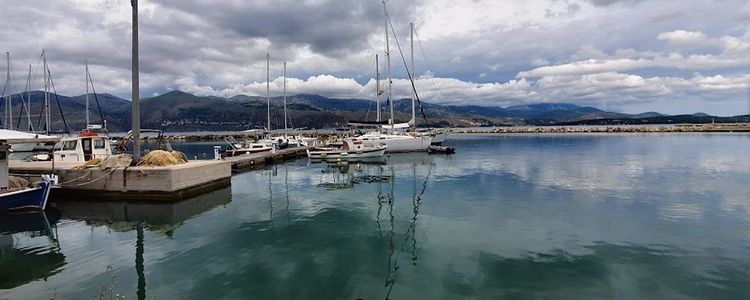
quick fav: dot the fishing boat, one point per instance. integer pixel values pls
(21, 197)
(350, 149)
(89, 144)
(237, 149)
(92, 142)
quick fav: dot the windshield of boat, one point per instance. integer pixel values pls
(70, 145)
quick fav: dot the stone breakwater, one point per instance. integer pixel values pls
(734, 127)
(740, 127)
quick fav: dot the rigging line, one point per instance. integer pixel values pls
(101, 115)
(426, 62)
(23, 104)
(27, 106)
(20, 112)
(411, 80)
(57, 98)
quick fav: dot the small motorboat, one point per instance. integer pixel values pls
(21, 194)
(350, 149)
(26, 198)
(435, 149)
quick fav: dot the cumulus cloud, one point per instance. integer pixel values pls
(683, 37)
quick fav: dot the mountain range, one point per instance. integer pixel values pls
(180, 111)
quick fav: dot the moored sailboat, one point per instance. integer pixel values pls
(393, 135)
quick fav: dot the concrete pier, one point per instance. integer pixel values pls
(171, 183)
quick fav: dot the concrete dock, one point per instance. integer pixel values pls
(171, 183)
(148, 184)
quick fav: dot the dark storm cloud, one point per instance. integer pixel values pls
(327, 27)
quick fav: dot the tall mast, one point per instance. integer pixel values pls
(8, 107)
(268, 91)
(411, 78)
(86, 78)
(46, 93)
(377, 87)
(136, 108)
(28, 101)
(388, 63)
(285, 117)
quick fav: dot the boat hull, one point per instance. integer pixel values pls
(30, 198)
(238, 152)
(405, 143)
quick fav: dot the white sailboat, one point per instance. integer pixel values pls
(256, 146)
(392, 135)
(286, 140)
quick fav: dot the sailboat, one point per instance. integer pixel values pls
(257, 146)
(393, 135)
(287, 140)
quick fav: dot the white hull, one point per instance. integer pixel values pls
(399, 142)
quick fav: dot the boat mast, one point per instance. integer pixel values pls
(28, 101)
(411, 77)
(377, 87)
(8, 108)
(46, 93)
(388, 63)
(268, 92)
(86, 78)
(285, 122)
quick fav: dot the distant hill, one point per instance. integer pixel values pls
(180, 111)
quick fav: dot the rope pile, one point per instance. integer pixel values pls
(15, 182)
(160, 158)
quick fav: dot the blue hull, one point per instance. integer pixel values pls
(35, 198)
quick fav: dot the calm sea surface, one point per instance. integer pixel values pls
(653, 216)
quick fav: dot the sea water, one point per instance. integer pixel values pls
(568, 216)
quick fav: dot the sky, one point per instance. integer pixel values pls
(620, 55)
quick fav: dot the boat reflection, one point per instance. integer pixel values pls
(409, 240)
(380, 160)
(344, 175)
(29, 249)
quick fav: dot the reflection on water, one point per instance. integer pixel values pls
(29, 249)
(577, 216)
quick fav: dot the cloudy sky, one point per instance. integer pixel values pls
(622, 55)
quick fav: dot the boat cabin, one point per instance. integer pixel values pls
(86, 146)
(357, 145)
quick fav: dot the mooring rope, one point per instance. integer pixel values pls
(97, 179)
